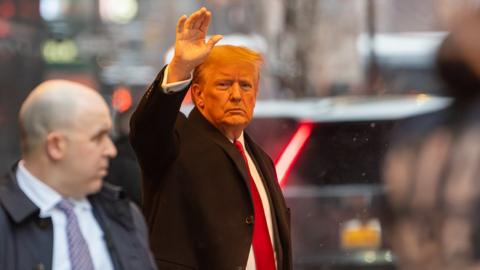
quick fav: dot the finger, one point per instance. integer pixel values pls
(181, 23)
(206, 22)
(198, 22)
(213, 40)
(193, 18)
(201, 18)
(188, 22)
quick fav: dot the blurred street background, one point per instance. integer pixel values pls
(313, 49)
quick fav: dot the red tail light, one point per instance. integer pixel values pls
(291, 152)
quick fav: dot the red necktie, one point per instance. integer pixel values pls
(262, 245)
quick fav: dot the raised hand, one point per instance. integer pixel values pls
(191, 49)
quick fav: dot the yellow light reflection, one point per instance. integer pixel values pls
(422, 98)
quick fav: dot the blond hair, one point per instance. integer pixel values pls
(227, 54)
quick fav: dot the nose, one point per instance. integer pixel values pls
(110, 150)
(236, 93)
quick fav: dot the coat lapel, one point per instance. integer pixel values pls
(277, 201)
(111, 210)
(16, 203)
(22, 210)
(268, 177)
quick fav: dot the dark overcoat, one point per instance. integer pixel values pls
(195, 188)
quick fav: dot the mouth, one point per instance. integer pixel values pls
(236, 111)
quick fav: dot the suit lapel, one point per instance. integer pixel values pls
(111, 210)
(263, 169)
(269, 180)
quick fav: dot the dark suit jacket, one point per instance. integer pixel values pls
(26, 240)
(195, 188)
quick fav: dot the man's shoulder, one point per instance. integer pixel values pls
(14, 203)
(110, 197)
(114, 203)
(4, 218)
(254, 146)
(111, 192)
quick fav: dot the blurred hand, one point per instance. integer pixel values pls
(190, 46)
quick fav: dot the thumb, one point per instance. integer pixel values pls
(213, 40)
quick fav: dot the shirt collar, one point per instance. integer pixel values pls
(42, 195)
(240, 139)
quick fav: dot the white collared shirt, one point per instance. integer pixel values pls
(45, 198)
(178, 86)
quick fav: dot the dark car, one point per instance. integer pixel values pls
(328, 154)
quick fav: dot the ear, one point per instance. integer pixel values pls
(56, 145)
(197, 95)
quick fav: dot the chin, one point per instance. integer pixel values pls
(96, 186)
(237, 121)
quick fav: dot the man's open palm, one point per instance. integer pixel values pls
(191, 49)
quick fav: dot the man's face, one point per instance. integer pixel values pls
(227, 97)
(89, 149)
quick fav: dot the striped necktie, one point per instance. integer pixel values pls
(79, 255)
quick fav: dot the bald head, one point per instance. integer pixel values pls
(53, 105)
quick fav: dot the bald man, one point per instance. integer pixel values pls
(55, 211)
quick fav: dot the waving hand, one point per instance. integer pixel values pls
(191, 49)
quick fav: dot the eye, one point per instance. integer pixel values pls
(246, 85)
(98, 138)
(222, 85)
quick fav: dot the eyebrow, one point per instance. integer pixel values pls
(222, 73)
(101, 131)
(231, 80)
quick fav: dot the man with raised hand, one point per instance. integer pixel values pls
(210, 194)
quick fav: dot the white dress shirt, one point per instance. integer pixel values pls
(178, 86)
(45, 198)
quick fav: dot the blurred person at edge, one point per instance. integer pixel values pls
(205, 206)
(55, 212)
(432, 173)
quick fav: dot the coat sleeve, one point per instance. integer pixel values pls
(153, 133)
(6, 246)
